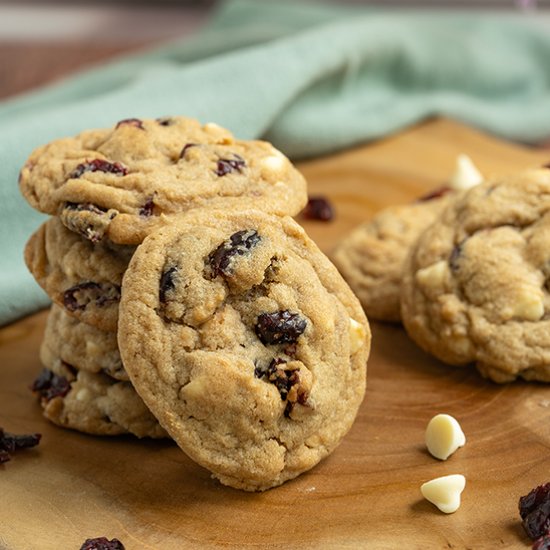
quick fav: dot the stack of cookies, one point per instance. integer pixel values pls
(467, 272)
(187, 303)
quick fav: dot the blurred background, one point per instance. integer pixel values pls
(42, 40)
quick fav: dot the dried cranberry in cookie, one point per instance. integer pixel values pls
(141, 173)
(256, 349)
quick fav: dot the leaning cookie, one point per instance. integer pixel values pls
(475, 287)
(93, 403)
(78, 343)
(122, 182)
(256, 349)
(371, 257)
(80, 276)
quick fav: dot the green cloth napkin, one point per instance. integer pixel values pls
(310, 78)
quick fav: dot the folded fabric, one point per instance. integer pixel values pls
(312, 79)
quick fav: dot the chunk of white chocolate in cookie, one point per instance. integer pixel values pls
(444, 492)
(357, 336)
(529, 304)
(434, 275)
(444, 436)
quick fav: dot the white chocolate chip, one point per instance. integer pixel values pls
(444, 492)
(466, 175)
(357, 335)
(274, 163)
(194, 390)
(434, 275)
(444, 436)
(528, 305)
(212, 126)
(83, 394)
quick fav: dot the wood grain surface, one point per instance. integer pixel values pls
(366, 494)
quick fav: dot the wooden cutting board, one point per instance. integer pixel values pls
(366, 494)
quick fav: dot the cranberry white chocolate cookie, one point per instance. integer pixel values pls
(93, 403)
(245, 342)
(122, 182)
(78, 343)
(82, 277)
(475, 287)
(371, 257)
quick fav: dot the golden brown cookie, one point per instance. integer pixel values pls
(476, 285)
(93, 403)
(80, 276)
(122, 182)
(372, 256)
(80, 344)
(245, 342)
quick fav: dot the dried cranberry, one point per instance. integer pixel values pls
(542, 543)
(435, 194)
(279, 327)
(147, 209)
(279, 377)
(186, 147)
(239, 244)
(102, 543)
(534, 509)
(49, 385)
(287, 381)
(318, 208)
(226, 166)
(99, 165)
(167, 283)
(11, 442)
(80, 296)
(135, 122)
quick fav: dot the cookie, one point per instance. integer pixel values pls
(122, 182)
(372, 256)
(475, 287)
(256, 348)
(82, 277)
(93, 403)
(77, 343)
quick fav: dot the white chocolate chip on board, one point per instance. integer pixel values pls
(444, 436)
(444, 492)
(466, 175)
